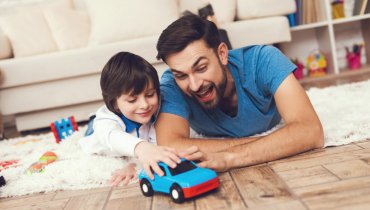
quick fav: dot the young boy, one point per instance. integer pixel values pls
(124, 125)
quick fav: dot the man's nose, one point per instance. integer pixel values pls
(194, 83)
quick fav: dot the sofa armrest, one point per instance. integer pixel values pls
(250, 9)
(5, 47)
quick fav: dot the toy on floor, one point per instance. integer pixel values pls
(63, 128)
(2, 181)
(7, 164)
(185, 181)
(45, 159)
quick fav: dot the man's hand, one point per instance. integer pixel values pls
(149, 155)
(216, 161)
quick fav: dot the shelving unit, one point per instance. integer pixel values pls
(331, 36)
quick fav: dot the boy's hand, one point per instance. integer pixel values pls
(149, 155)
(125, 175)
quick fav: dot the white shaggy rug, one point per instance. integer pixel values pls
(343, 110)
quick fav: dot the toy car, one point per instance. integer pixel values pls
(185, 181)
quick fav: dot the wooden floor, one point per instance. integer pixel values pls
(331, 178)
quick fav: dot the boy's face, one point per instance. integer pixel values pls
(200, 72)
(139, 108)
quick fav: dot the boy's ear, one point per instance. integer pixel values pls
(223, 53)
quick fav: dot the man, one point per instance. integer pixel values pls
(233, 95)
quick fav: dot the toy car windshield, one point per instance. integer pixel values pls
(182, 167)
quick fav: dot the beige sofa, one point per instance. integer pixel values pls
(56, 74)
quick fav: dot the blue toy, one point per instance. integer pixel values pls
(63, 128)
(185, 181)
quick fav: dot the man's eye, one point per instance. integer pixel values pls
(180, 76)
(202, 69)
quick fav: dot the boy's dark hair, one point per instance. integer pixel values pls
(185, 30)
(126, 73)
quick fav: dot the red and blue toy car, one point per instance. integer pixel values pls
(185, 181)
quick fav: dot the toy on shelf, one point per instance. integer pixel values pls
(354, 57)
(298, 72)
(316, 64)
(63, 128)
(185, 181)
(45, 159)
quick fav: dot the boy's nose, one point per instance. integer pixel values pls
(144, 104)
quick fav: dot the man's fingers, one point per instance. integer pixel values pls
(196, 156)
(189, 150)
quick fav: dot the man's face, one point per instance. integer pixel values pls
(200, 73)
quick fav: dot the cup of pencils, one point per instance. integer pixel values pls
(354, 56)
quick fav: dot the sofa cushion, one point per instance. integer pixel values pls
(225, 11)
(70, 28)
(118, 20)
(5, 48)
(71, 63)
(25, 26)
(28, 33)
(249, 9)
(268, 30)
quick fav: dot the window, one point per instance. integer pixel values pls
(182, 167)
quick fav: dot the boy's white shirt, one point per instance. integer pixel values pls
(110, 136)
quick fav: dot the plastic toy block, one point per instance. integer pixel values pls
(63, 128)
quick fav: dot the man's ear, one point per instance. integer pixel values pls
(223, 53)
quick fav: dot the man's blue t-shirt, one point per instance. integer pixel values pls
(257, 71)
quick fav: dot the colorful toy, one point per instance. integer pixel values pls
(7, 164)
(316, 64)
(354, 57)
(63, 128)
(45, 159)
(185, 181)
(298, 72)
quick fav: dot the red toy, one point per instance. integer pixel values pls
(63, 128)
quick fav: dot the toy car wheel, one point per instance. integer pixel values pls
(177, 194)
(146, 188)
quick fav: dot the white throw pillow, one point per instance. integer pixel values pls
(5, 48)
(249, 9)
(225, 10)
(70, 28)
(28, 33)
(118, 20)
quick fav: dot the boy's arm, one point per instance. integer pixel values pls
(302, 132)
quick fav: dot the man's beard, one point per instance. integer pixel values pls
(219, 89)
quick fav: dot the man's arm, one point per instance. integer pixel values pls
(174, 131)
(302, 132)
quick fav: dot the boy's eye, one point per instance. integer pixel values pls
(131, 100)
(150, 94)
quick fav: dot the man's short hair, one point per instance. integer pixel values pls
(185, 30)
